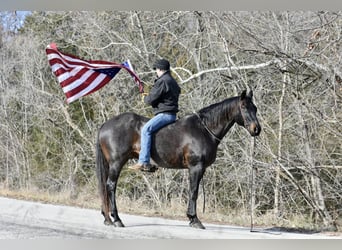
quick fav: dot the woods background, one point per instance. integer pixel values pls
(291, 60)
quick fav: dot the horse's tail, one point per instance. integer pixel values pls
(102, 175)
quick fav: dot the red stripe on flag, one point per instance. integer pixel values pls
(104, 82)
(83, 86)
(74, 78)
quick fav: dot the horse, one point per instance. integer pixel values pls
(190, 143)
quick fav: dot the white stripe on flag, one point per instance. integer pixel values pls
(66, 75)
(85, 91)
(78, 81)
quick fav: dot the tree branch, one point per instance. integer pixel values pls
(232, 68)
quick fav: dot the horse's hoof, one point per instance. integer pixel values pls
(197, 224)
(118, 223)
(108, 222)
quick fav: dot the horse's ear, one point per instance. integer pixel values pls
(250, 94)
(243, 95)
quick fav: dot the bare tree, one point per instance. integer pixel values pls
(290, 60)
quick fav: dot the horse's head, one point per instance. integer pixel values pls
(247, 117)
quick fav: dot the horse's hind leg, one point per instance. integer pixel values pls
(105, 214)
(113, 176)
(105, 210)
(102, 176)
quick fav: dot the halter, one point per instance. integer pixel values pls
(242, 115)
(206, 127)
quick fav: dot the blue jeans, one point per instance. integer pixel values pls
(156, 123)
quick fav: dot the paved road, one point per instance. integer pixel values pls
(33, 220)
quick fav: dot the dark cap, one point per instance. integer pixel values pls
(162, 64)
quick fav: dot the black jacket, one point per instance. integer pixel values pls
(164, 94)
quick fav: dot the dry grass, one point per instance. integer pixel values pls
(173, 210)
(85, 200)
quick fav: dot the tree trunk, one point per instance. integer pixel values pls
(317, 194)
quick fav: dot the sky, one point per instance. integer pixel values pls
(12, 20)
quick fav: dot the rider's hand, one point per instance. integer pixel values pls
(143, 96)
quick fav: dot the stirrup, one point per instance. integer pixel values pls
(149, 168)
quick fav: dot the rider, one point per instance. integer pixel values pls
(163, 98)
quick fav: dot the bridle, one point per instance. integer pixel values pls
(211, 132)
(252, 179)
(242, 115)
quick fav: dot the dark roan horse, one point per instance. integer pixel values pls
(189, 143)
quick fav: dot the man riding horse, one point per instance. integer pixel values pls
(163, 98)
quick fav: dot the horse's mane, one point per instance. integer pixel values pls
(210, 113)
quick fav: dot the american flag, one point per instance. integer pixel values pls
(79, 77)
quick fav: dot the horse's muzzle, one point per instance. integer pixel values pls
(254, 129)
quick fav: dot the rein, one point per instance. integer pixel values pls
(252, 183)
(206, 127)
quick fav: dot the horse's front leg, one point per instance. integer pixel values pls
(113, 176)
(195, 175)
